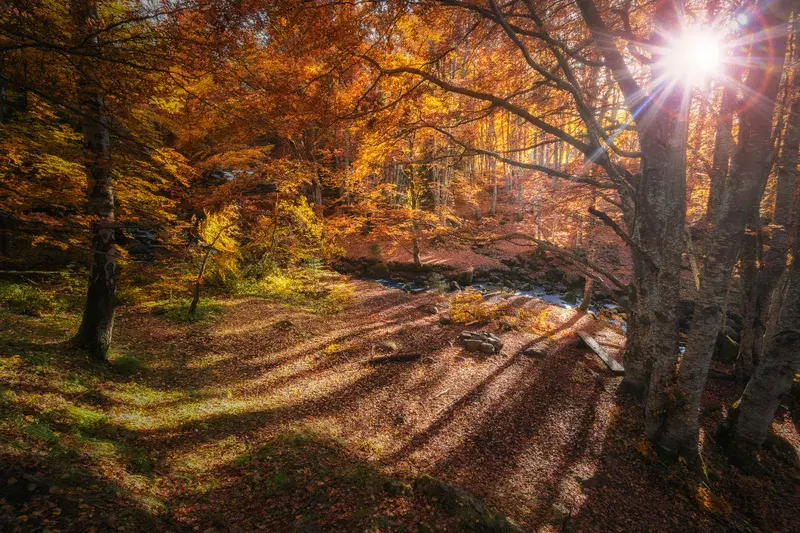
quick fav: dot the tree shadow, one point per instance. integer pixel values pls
(304, 481)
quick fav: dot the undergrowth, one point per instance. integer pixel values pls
(306, 288)
(470, 307)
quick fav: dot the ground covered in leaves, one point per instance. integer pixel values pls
(265, 416)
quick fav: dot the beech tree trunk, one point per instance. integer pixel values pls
(747, 360)
(752, 415)
(761, 298)
(740, 201)
(97, 324)
(723, 145)
(655, 213)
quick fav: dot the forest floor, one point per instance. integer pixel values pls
(263, 416)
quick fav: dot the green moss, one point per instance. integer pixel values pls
(85, 418)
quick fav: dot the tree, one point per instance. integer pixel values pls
(740, 201)
(97, 324)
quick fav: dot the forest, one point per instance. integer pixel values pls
(399, 265)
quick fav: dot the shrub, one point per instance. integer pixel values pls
(130, 296)
(468, 307)
(337, 299)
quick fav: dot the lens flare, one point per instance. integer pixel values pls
(694, 56)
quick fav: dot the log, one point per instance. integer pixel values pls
(604, 356)
(397, 358)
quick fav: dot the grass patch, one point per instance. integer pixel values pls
(124, 363)
(40, 430)
(177, 311)
(85, 418)
(24, 299)
(302, 287)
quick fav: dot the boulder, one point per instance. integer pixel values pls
(466, 277)
(537, 350)
(429, 309)
(484, 342)
(454, 286)
(570, 298)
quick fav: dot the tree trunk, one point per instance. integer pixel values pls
(748, 276)
(493, 208)
(740, 201)
(587, 294)
(774, 262)
(752, 415)
(94, 333)
(723, 145)
(654, 213)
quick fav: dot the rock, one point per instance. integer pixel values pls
(483, 342)
(472, 345)
(554, 274)
(466, 277)
(537, 351)
(570, 298)
(436, 281)
(454, 286)
(430, 309)
(445, 320)
(486, 348)
(344, 267)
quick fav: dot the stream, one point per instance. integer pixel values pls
(565, 300)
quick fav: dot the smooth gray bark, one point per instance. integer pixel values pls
(740, 201)
(752, 415)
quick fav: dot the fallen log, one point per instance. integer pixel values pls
(604, 356)
(396, 358)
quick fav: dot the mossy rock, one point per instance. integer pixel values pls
(465, 278)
